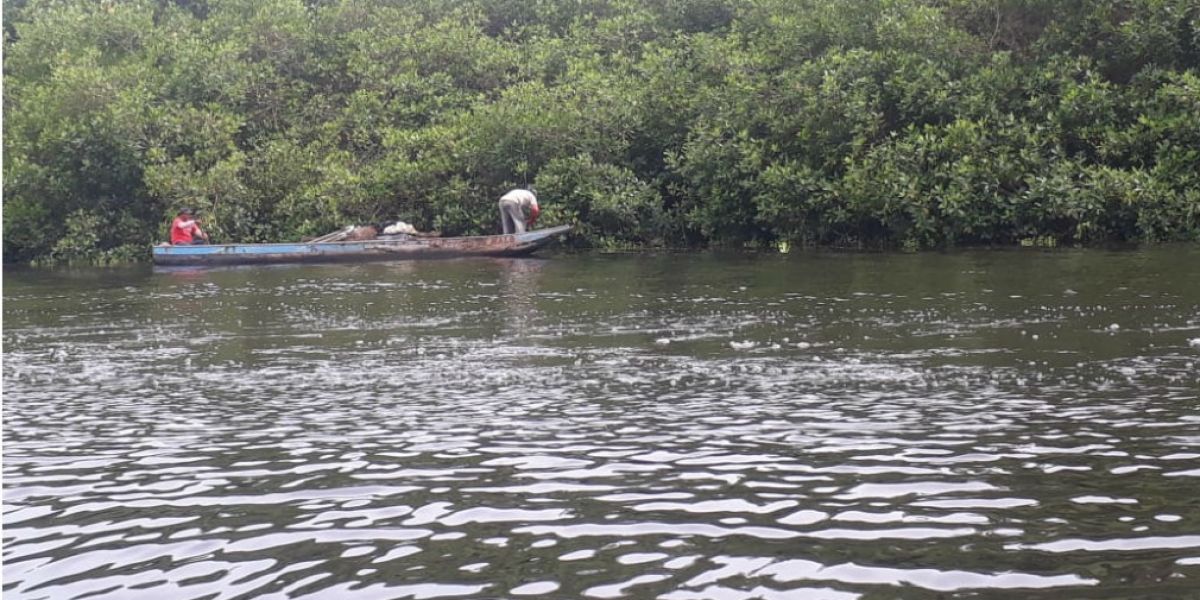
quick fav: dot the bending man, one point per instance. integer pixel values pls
(513, 207)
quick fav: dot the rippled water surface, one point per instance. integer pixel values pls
(971, 425)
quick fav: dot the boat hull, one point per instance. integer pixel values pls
(519, 244)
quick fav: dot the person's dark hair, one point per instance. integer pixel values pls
(186, 211)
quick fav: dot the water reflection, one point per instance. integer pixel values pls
(518, 286)
(828, 426)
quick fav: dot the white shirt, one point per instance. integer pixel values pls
(524, 198)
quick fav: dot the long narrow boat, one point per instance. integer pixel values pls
(517, 244)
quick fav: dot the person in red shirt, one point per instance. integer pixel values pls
(185, 230)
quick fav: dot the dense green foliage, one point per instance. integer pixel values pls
(915, 123)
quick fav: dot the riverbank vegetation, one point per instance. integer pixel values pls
(894, 123)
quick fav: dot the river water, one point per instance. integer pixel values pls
(985, 424)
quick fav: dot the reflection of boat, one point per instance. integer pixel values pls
(516, 244)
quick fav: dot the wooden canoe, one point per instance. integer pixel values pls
(517, 244)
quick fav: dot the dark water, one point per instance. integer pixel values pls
(973, 425)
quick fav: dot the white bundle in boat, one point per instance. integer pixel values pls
(399, 227)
